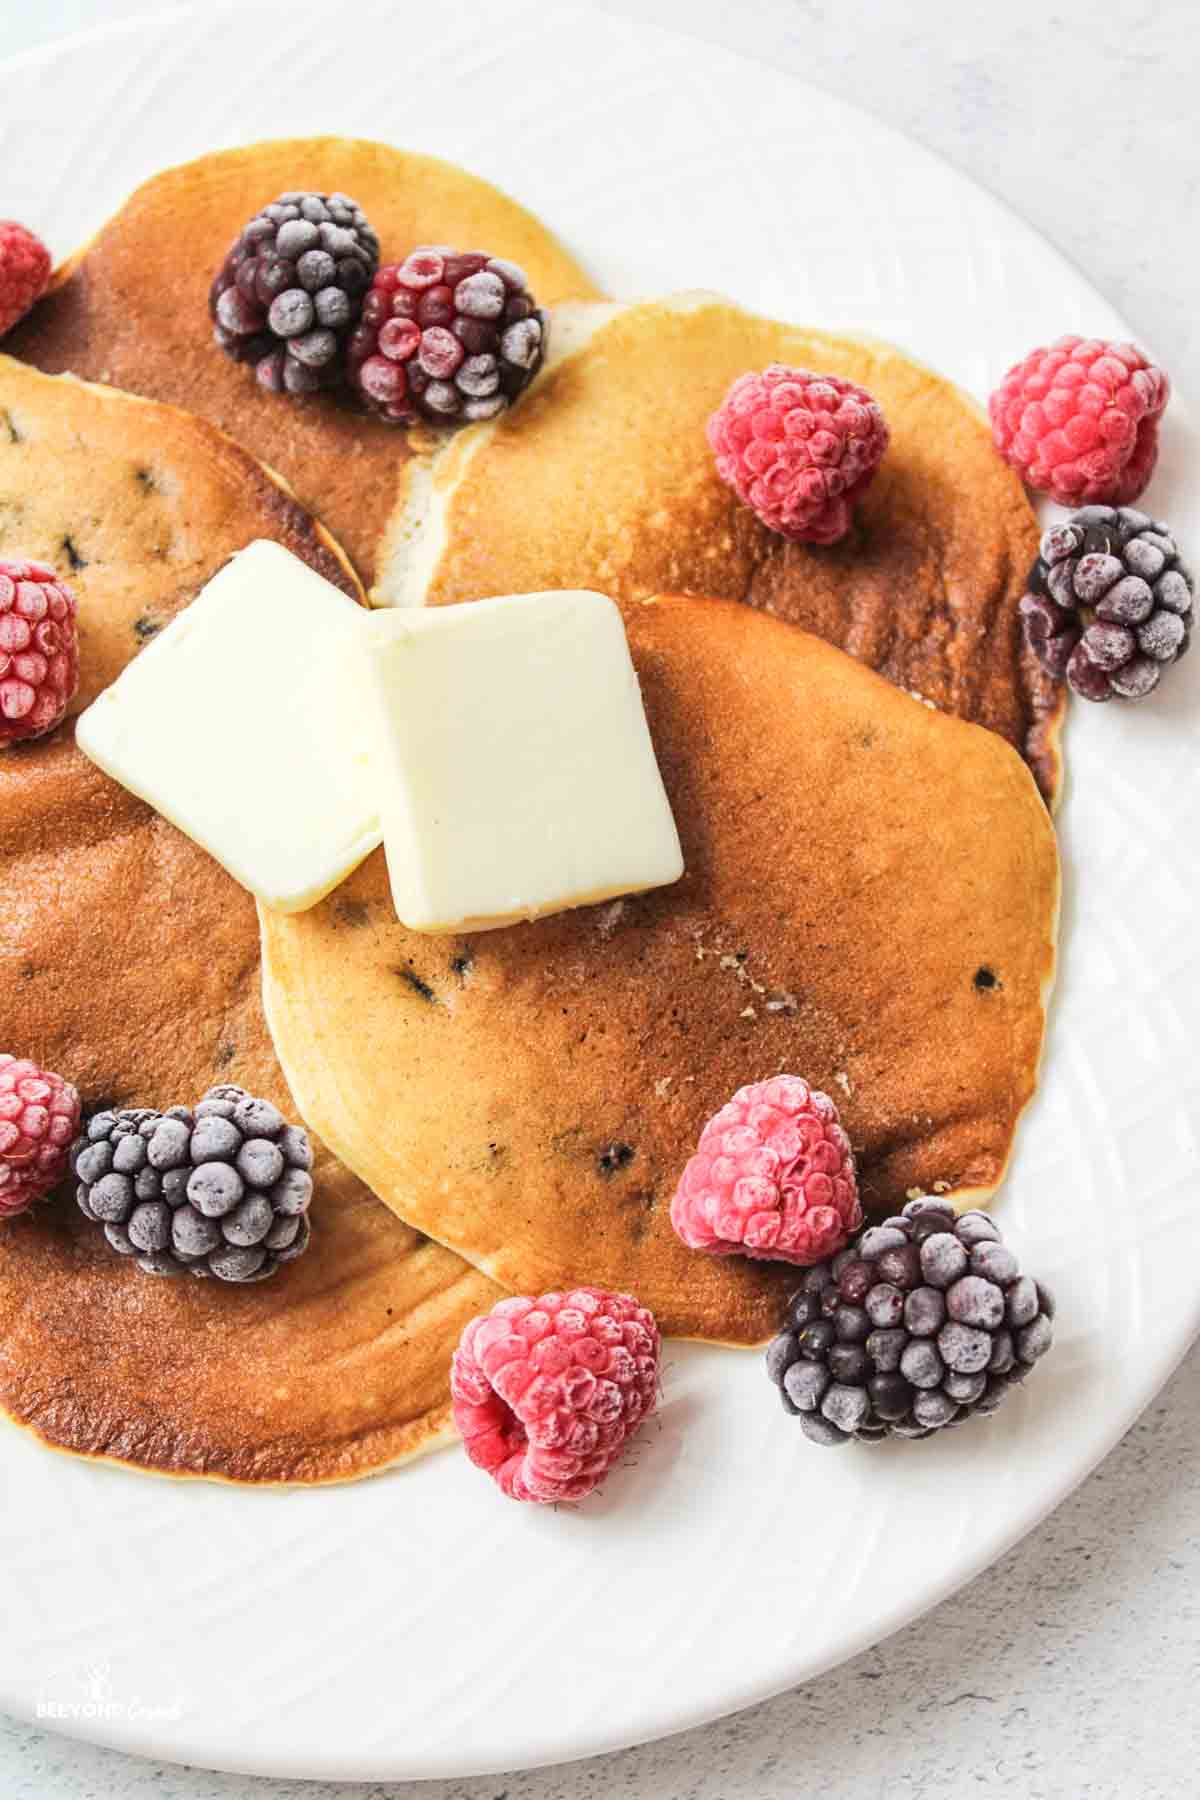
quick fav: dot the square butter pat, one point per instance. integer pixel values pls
(237, 724)
(513, 762)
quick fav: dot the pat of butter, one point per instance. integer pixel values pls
(236, 723)
(513, 762)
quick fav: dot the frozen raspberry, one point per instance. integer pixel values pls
(1079, 421)
(39, 650)
(39, 1119)
(447, 336)
(24, 272)
(1108, 603)
(799, 449)
(547, 1392)
(291, 288)
(773, 1176)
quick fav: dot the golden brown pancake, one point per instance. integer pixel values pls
(131, 307)
(870, 901)
(136, 506)
(602, 478)
(129, 962)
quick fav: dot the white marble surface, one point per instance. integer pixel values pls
(1070, 1669)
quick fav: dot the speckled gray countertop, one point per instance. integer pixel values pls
(1071, 1669)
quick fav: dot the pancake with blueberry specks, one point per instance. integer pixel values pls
(869, 899)
(129, 963)
(602, 477)
(131, 307)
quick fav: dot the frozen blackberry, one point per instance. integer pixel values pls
(1109, 603)
(291, 289)
(222, 1189)
(916, 1325)
(446, 336)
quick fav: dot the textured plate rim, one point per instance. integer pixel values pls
(683, 1715)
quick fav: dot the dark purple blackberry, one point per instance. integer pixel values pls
(219, 1190)
(1109, 603)
(291, 289)
(448, 337)
(917, 1324)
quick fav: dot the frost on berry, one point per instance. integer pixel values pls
(773, 1177)
(290, 290)
(39, 650)
(1079, 420)
(24, 272)
(950, 1323)
(799, 449)
(460, 332)
(480, 296)
(220, 1190)
(1109, 603)
(39, 1121)
(546, 1393)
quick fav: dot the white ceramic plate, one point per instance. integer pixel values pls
(418, 1625)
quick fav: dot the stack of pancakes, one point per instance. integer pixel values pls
(871, 882)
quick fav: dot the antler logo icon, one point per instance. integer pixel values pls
(97, 1681)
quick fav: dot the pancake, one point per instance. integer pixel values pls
(603, 478)
(870, 901)
(130, 963)
(131, 307)
(136, 506)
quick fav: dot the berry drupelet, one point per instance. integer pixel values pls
(222, 1189)
(921, 1322)
(291, 289)
(1108, 603)
(446, 336)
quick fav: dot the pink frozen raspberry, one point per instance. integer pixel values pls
(24, 272)
(799, 449)
(548, 1392)
(773, 1176)
(39, 1120)
(1079, 420)
(39, 650)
